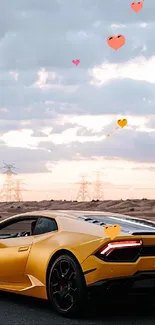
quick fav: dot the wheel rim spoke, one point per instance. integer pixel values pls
(72, 280)
(63, 292)
(55, 278)
(65, 269)
(71, 299)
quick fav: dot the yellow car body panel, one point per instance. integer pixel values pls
(24, 261)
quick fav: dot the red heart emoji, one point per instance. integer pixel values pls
(76, 62)
(137, 6)
(116, 41)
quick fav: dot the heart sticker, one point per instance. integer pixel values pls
(122, 123)
(76, 62)
(112, 231)
(136, 6)
(116, 41)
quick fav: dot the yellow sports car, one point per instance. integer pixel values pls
(63, 256)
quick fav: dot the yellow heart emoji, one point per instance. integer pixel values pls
(112, 231)
(122, 123)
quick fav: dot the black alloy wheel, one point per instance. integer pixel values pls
(66, 286)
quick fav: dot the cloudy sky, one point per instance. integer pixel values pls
(54, 115)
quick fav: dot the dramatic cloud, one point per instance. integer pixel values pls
(49, 107)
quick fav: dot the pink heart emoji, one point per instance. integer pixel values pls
(137, 6)
(76, 62)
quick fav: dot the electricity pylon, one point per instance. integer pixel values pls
(83, 193)
(11, 190)
(18, 190)
(7, 192)
(98, 190)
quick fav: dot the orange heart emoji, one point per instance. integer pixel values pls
(112, 231)
(136, 6)
(122, 123)
(116, 41)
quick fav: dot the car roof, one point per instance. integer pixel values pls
(70, 220)
(70, 214)
(64, 213)
(74, 214)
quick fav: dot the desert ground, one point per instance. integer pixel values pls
(139, 208)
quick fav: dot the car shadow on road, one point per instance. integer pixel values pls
(96, 313)
(124, 310)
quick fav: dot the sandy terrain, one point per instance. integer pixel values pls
(141, 208)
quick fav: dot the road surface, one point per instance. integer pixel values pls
(19, 310)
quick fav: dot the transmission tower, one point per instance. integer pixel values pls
(98, 190)
(83, 193)
(7, 193)
(18, 190)
(11, 190)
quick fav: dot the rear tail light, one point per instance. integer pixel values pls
(110, 247)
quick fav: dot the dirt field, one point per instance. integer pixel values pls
(140, 208)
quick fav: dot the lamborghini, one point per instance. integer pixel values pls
(66, 257)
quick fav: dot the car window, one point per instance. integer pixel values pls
(14, 228)
(24, 225)
(45, 225)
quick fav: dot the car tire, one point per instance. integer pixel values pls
(66, 287)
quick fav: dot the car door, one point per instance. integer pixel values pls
(14, 254)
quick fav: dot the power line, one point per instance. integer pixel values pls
(83, 193)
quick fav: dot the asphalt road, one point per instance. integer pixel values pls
(26, 311)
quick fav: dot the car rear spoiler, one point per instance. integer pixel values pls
(144, 233)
